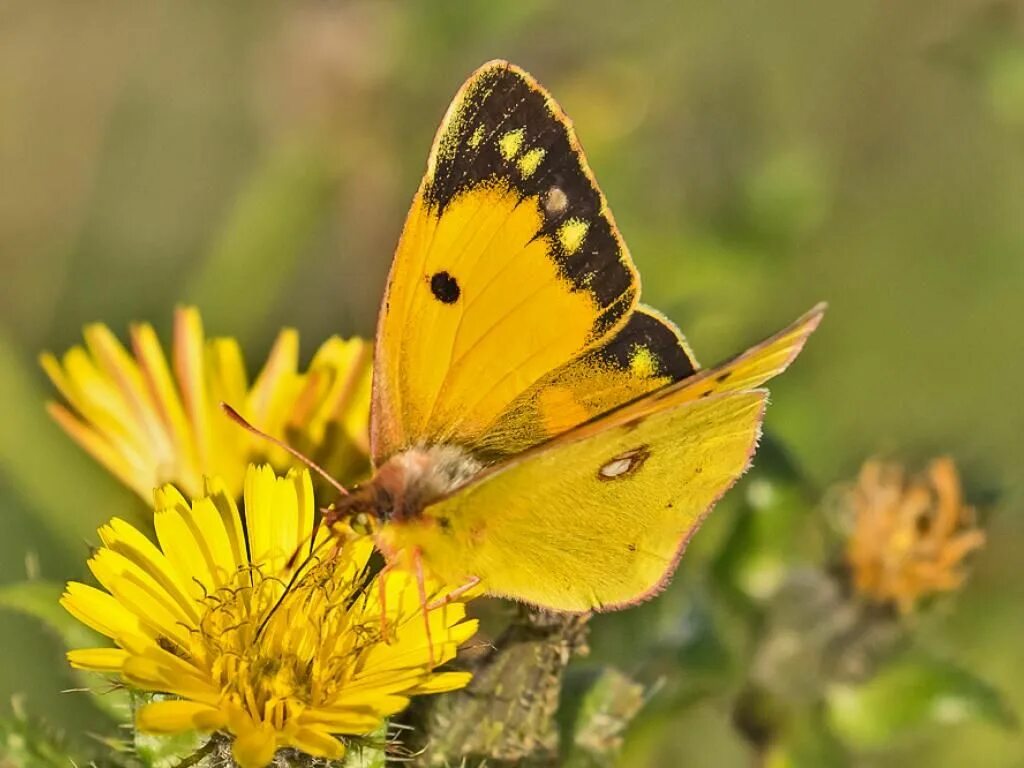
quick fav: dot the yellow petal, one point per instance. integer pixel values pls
(228, 380)
(126, 540)
(351, 402)
(317, 743)
(168, 403)
(98, 659)
(190, 370)
(255, 747)
(186, 549)
(122, 370)
(217, 492)
(116, 461)
(215, 543)
(298, 532)
(371, 699)
(276, 382)
(100, 611)
(138, 591)
(51, 366)
(157, 670)
(444, 681)
(99, 401)
(354, 720)
(278, 515)
(168, 497)
(177, 716)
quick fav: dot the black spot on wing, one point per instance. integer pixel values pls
(445, 287)
(499, 100)
(659, 337)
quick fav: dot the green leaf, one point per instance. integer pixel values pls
(909, 695)
(39, 599)
(274, 219)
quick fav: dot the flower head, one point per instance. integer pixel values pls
(910, 535)
(150, 422)
(276, 650)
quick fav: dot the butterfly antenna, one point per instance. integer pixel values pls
(301, 570)
(236, 417)
(307, 539)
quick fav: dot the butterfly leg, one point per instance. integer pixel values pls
(455, 594)
(421, 585)
(382, 585)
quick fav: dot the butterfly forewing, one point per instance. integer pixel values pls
(509, 267)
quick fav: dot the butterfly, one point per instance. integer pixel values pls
(535, 430)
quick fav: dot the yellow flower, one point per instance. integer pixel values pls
(278, 653)
(910, 535)
(150, 422)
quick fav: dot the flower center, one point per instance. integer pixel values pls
(275, 651)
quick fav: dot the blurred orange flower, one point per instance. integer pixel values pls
(910, 535)
(150, 422)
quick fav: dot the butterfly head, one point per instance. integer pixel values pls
(403, 486)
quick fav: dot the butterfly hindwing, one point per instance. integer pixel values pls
(745, 371)
(596, 523)
(647, 353)
(509, 267)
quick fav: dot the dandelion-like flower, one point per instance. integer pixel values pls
(152, 422)
(910, 536)
(276, 652)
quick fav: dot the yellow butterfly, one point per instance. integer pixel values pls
(535, 430)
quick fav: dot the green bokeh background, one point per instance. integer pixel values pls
(257, 158)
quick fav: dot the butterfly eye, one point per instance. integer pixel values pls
(362, 523)
(624, 464)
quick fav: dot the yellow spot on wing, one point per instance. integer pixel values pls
(529, 162)
(510, 143)
(642, 362)
(572, 233)
(476, 137)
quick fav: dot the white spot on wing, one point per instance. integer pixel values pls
(555, 201)
(625, 464)
(616, 467)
